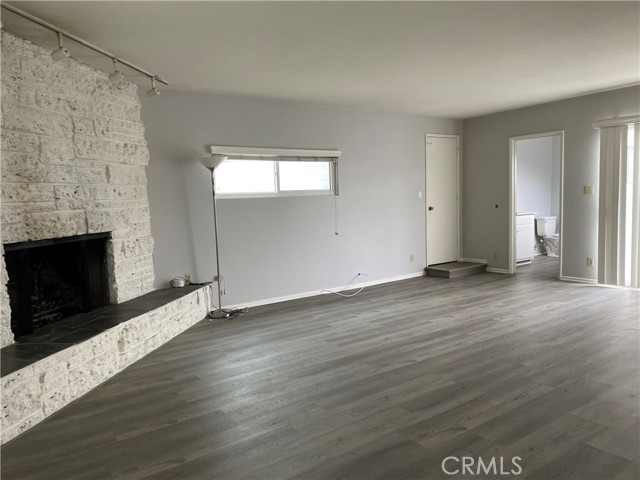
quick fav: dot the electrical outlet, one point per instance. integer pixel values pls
(588, 189)
(411, 258)
(187, 277)
(495, 256)
(589, 261)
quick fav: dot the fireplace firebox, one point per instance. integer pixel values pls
(54, 279)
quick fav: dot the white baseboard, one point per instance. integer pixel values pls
(313, 293)
(590, 281)
(497, 270)
(475, 260)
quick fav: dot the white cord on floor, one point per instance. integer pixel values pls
(348, 286)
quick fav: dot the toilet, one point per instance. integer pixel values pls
(546, 228)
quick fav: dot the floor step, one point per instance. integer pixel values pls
(455, 269)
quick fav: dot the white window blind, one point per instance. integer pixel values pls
(619, 202)
(264, 172)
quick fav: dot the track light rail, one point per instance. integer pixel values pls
(49, 26)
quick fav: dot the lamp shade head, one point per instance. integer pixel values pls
(213, 161)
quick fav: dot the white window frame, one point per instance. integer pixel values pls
(278, 155)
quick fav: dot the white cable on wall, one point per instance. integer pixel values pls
(349, 286)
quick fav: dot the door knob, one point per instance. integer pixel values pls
(430, 208)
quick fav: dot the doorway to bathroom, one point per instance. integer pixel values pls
(535, 193)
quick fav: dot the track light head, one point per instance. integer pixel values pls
(117, 77)
(153, 92)
(61, 53)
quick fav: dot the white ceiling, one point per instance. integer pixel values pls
(448, 59)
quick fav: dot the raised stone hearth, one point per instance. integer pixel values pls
(44, 372)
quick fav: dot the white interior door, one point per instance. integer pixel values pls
(442, 199)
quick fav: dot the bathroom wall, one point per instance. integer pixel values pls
(538, 175)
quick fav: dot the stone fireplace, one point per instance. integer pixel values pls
(75, 234)
(73, 163)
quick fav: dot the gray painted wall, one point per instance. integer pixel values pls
(486, 174)
(534, 174)
(274, 247)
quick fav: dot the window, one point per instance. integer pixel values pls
(264, 178)
(245, 176)
(271, 172)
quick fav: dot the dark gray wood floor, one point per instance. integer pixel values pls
(382, 385)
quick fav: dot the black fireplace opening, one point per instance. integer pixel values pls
(54, 279)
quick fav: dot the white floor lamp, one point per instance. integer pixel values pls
(211, 163)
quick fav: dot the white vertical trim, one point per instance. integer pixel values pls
(612, 215)
(606, 145)
(622, 204)
(635, 223)
(512, 205)
(512, 195)
(560, 274)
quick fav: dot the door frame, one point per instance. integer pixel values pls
(512, 195)
(458, 193)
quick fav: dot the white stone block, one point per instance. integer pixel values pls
(27, 193)
(22, 426)
(54, 400)
(127, 91)
(105, 342)
(41, 226)
(16, 93)
(74, 197)
(20, 401)
(130, 356)
(20, 142)
(107, 109)
(10, 62)
(81, 380)
(132, 113)
(136, 154)
(58, 102)
(16, 378)
(83, 126)
(126, 174)
(22, 168)
(31, 120)
(57, 151)
(91, 175)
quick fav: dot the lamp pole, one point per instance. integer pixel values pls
(211, 163)
(218, 313)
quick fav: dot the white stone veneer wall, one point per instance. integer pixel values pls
(73, 162)
(35, 392)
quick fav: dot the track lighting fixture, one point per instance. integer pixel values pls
(61, 53)
(154, 91)
(117, 77)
